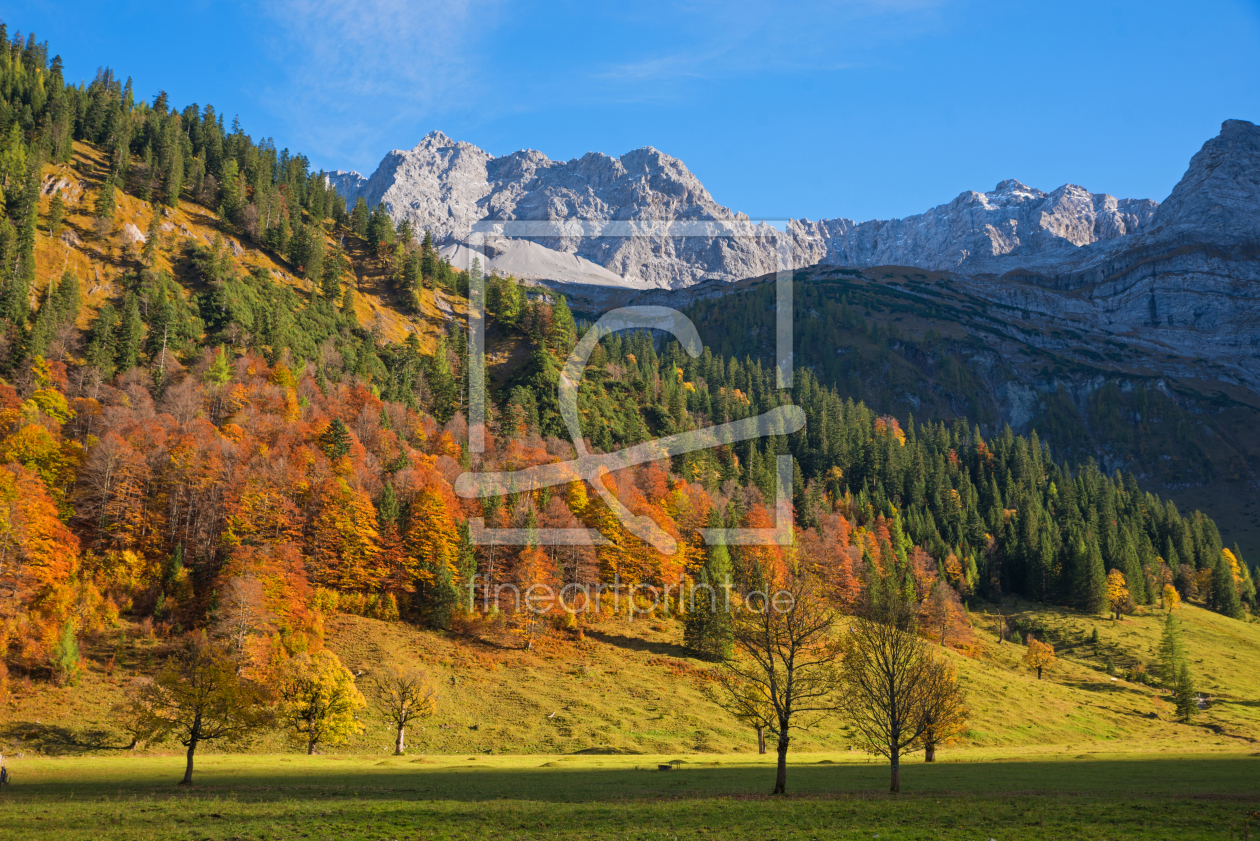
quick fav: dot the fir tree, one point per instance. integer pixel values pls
(709, 631)
(1185, 696)
(1170, 650)
(335, 440)
(1224, 598)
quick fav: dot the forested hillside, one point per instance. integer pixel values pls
(249, 415)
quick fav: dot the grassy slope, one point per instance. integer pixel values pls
(628, 687)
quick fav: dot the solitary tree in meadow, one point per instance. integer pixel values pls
(1170, 598)
(1039, 655)
(1171, 652)
(319, 701)
(1185, 695)
(886, 674)
(400, 698)
(784, 663)
(944, 707)
(198, 697)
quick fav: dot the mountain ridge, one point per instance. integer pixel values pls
(446, 186)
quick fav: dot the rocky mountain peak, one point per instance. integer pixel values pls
(1220, 192)
(446, 186)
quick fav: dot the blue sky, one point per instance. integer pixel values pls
(864, 109)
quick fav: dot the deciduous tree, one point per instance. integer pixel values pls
(944, 707)
(785, 659)
(198, 697)
(401, 697)
(1039, 655)
(1117, 593)
(319, 701)
(885, 676)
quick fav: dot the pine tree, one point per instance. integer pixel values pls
(335, 440)
(1091, 577)
(219, 371)
(102, 341)
(151, 240)
(1171, 653)
(105, 201)
(56, 213)
(359, 219)
(1185, 696)
(1225, 590)
(709, 630)
(65, 656)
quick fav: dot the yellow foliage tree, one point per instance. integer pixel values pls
(345, 544)
(1117, 592)
(1170, 597)
(319, 700)
(1039, 655)
(431, 541)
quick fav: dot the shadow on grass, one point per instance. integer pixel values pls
(665, 649)
(55, 740)
(336, 778)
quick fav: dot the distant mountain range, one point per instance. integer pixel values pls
(446, 186)
(1177, 276)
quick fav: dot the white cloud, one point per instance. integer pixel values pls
(352, 71)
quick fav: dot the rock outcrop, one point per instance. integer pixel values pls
(446, 187)
(1013, 225)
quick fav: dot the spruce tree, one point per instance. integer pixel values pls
(1225, 590)
(708, 629)
(1171, 653)
(130, 336)
(1185, 696)
(335, 440)
(1091, 577)
(359, 219)
(105, 201)
(56, 214)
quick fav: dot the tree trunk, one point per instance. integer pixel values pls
(929, 751)
(398, 744)
(310, 747)
(761, 740)
(780, 778)
(1038, 673)
(895, 788)
(188, 768)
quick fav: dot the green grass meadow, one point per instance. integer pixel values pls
(970, 794)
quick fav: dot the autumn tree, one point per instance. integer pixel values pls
(785, 659)
(319, 701)
(431, 544)
(242, 613)
(401, 697)
(1117, 593)
(535, 577)
(942, 614)
(1169, 598)
(944, 707)
(198, 697)
(1039, 655)
(886, 675)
